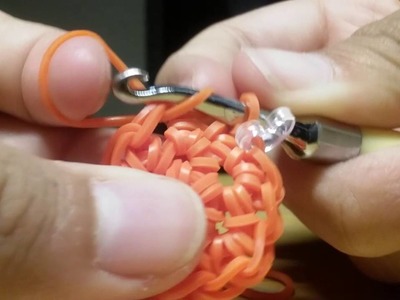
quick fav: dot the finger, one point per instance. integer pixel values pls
(355, 81)
(203, 62)
(105, 231)
(69, 144)
(79, 72)
(352, 205)
(207, 59)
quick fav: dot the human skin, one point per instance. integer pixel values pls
(334, 58)
(71, 229)
(54, 218)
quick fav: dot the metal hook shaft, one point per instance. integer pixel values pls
(315, 139)
(226, 110)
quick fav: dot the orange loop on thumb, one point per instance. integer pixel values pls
(47, 100)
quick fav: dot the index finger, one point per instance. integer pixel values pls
(207, 59)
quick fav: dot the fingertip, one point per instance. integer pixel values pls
(248, 78)
(135, 221)
(79, 77)
(126, 239)
(197, 72)
(76, 82)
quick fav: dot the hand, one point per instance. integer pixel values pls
(69, 229)
(309, 55)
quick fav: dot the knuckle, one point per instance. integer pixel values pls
(372, 50)
(43, 216)
(380, 41)
(23, 219)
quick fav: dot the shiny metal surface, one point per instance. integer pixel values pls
(226, 110)
(323, 140)
(315, 139)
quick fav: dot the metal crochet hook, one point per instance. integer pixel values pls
(223, 109)
(314, 139)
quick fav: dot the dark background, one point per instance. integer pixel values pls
(172, 23)
(142, 32)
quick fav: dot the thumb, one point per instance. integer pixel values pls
(354, 81)
(78, 79)
(74, 231)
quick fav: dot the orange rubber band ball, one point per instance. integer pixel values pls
(242, 216)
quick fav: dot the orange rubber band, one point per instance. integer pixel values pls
(45, 92)
(243, 217)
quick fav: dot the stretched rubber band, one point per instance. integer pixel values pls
(243, 217)
(45, 95)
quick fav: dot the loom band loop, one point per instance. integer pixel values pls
(141, 116)
(231, 202)
(205, 164)
(198, 147)
(180, 124)
(267, 190)
(259, 244)
(241, 221)
(154, 150)
(244, 198)
(183, 140)
(178, 138)
(235, 156)
(233, 268)
(230, 283)
(252, 106)
(214, 129)
(200, 185)
(148, 126)
(120, 140)
(217, 254)
(228, 140)
(235, 204)
(90, 122)
(232, 246)
(219, 149)
(214, 214)
(134, 162)
(166, 158)
(189, 104)
(173, 170)
(250, 181)
(245, 241)
(211, 192)
(258, 156)
(205, 262)
(184, 173)
(247, 168)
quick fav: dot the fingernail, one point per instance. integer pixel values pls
(152, 226)
(291, 70)
(79, 77)
(197, 80)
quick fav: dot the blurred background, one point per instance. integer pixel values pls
(142, 32)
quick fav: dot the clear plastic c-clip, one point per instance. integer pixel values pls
(271, 130)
